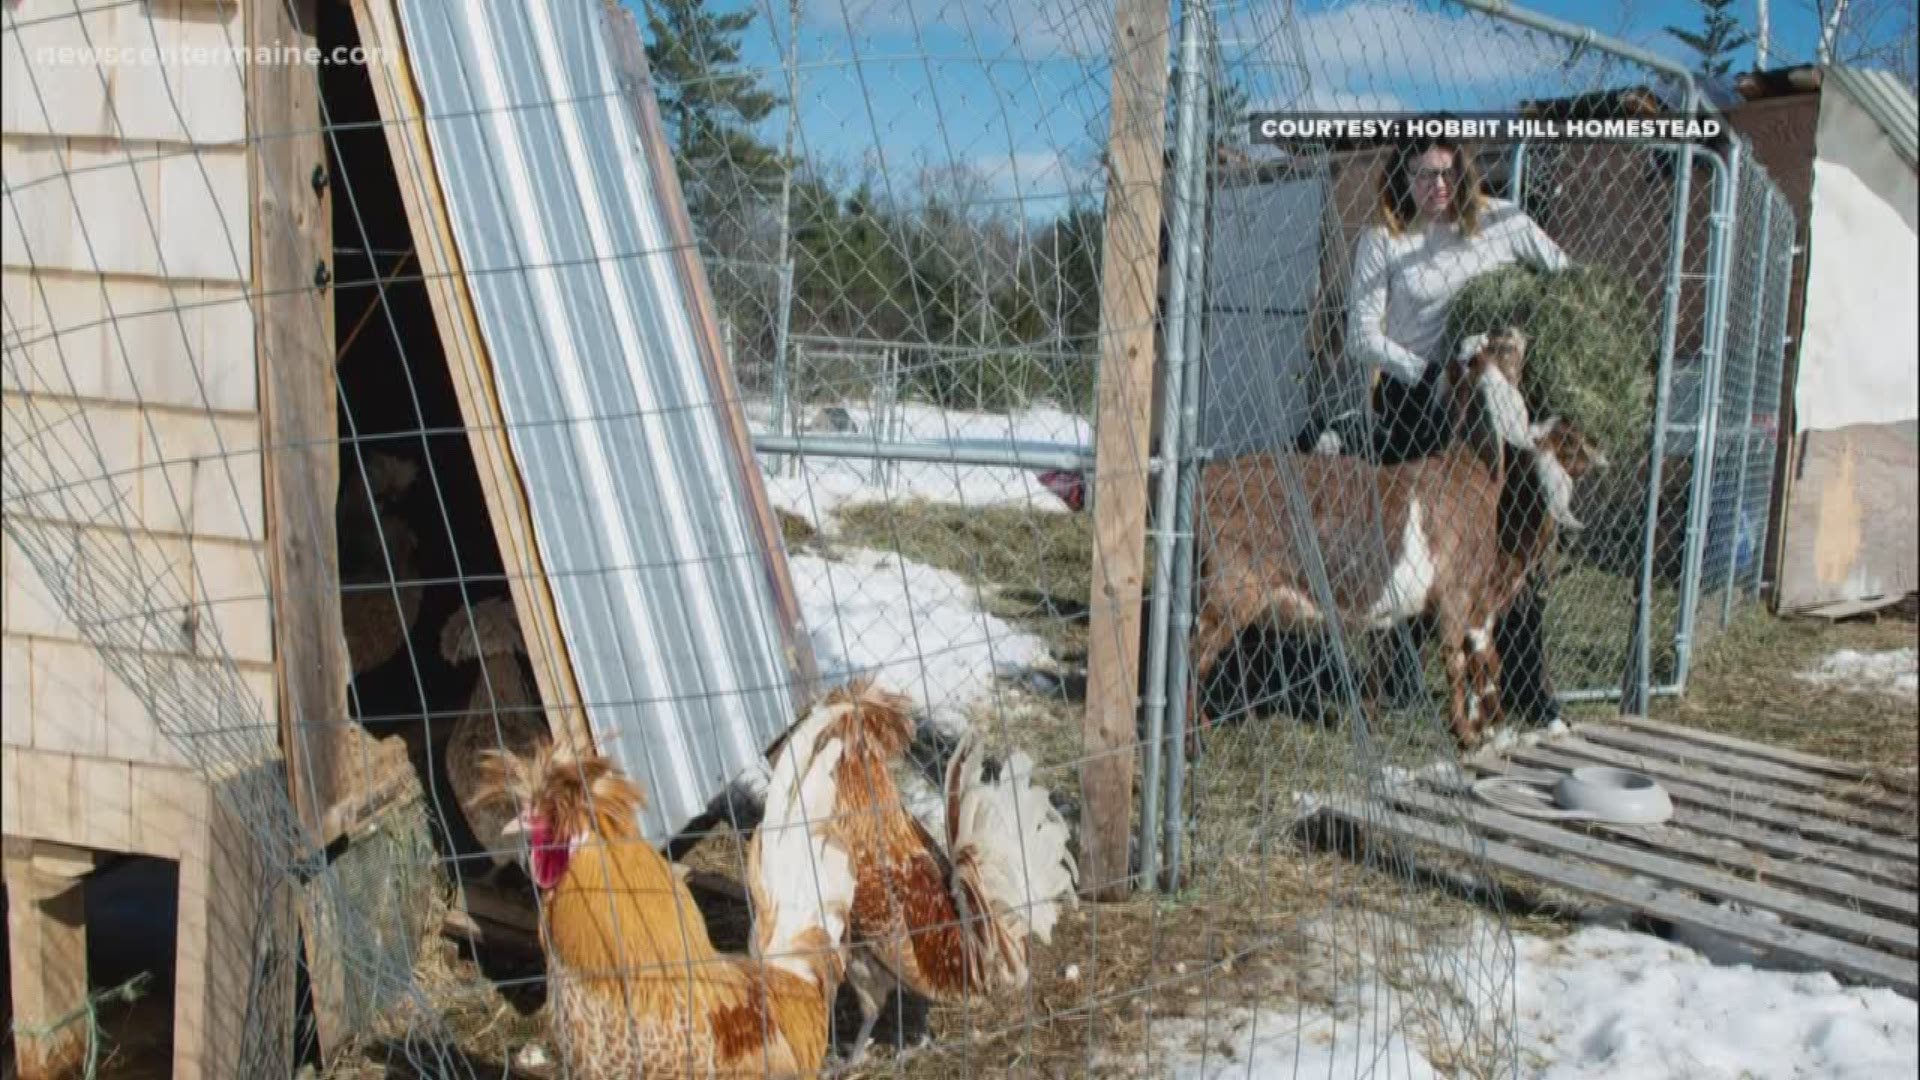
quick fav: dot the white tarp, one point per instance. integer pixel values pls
(1860, 349)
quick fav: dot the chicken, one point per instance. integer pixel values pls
(378, 551)
(1069, 484)
(502, 714)
(636, 986)
(951, 918)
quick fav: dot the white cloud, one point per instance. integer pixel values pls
(1328, 99)
(1033, 173)
(1395, 41)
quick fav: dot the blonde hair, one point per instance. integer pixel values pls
(1396, 206)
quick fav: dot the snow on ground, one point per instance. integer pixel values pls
(915, 628)
(1611, 1003)
(1894, 671)
(820, 486)
(1599, 1003)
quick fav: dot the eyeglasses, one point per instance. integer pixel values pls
(1428, 175)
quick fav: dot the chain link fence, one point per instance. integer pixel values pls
(1064, 393)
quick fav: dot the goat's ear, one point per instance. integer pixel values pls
(1470, 346)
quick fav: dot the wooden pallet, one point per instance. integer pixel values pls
(1810, 859)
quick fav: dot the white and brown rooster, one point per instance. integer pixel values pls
(948, 917)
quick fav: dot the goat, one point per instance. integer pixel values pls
(1464, 529)
(1486, 371)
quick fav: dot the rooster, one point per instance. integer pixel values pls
(1069, 484)
(637, 987)
(948, 918)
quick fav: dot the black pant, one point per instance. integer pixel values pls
(1409, 424)
(1526, 690)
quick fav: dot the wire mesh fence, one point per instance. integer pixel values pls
(1745, 437)
(1149, 457)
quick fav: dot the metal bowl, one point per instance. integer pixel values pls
(1617, 795)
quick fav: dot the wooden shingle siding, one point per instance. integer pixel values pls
(132, 403)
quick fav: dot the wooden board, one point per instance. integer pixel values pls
(1714, 882)
(293, 233)
(158, 344)
(175, 97)
(1842, 610)
(47, 954)
(1758, 751)
(1129, 271)
(1854, 801)
(1759, 845)
(82, 206)
(1851, 528)
(1842, 901)
(1663, 902)
(470, 367)
(1693, 788)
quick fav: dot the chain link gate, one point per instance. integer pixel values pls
(1668, 352)
(923, 286)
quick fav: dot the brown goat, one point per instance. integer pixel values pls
(1463, 529)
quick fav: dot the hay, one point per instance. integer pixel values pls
(1593, 347)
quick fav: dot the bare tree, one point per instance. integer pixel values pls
(1868, 33)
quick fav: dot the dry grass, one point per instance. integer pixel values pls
(1744, 685)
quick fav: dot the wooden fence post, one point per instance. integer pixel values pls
(1136, 149)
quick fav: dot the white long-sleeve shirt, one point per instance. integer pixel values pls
(1402, 285)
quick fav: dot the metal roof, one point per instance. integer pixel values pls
(670, 620)
(1887, 100)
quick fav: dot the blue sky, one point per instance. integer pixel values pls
(1015, 90)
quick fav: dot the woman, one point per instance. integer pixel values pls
(1436, 230)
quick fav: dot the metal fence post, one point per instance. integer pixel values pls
(1760, 306)
(1636, 686)
(1186, 461)
(1722, 239)
(1782, 319)
(1183, 244)
(783, 321)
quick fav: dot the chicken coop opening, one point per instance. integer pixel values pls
(424, 595)
(132, 910)
(126, 909)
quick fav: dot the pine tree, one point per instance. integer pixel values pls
(1719, 35)
(708, 104)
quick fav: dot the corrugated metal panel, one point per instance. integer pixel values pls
(671, 623)
(1888, 101)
